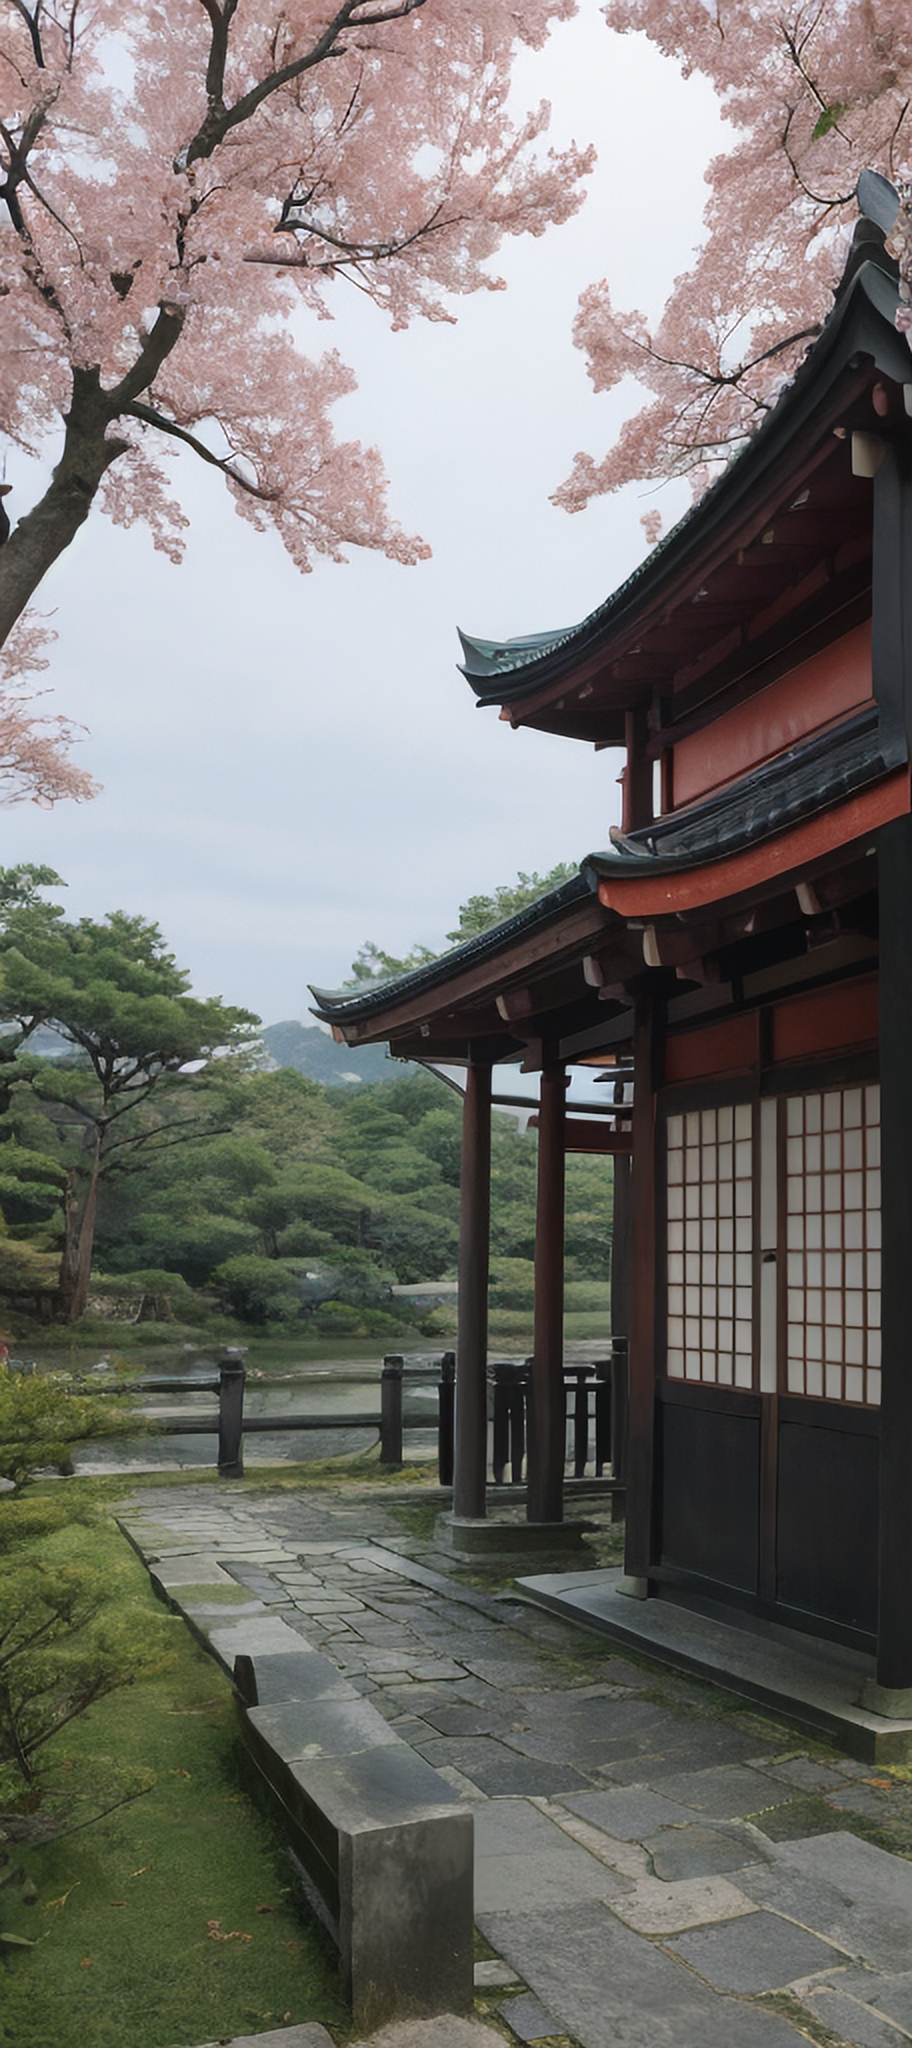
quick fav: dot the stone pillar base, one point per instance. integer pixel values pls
(893, 1701)
(635, 1589)
(466, 1538)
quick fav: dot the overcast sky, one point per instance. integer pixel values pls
(292, 765)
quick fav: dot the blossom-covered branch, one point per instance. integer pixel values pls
(816, 91)
(130, 315)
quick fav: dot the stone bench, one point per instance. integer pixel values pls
(385, 1850)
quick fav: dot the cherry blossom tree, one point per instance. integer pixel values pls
(34, 747)
(185, 183)
(817, 92)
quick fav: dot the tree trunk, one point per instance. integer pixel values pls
(46, 532)
(76, 1262)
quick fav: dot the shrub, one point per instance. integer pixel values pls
(41, 1417)
(258, 1290)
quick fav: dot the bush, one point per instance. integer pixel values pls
(348, 1319)
(512, 1284)
(41, 1418)
(588, 1296)
(258, 1290)
(69, 1636)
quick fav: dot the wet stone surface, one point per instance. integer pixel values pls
(656, 1867)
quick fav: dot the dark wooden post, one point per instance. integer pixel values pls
(474, 1253)
(391, 1409)
(894, 1637)
(232, 1375)
(602, 1415)
(580, 1377)
(547, 1408)
(518, 1424)
(503, 1374)
(638, 807)
(446, 1405)
(621, 1249)
(620, 1380)
(619, 1371)
(641, 1391)
(892, 676)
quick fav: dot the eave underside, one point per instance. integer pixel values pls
(799, 925)
(774, 562)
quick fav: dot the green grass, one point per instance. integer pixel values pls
(172, 1919)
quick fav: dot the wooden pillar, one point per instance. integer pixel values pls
(621, 1249)
(474, 1253)
(545, 1498)
(894, 1635)
(638, 809)
(892, 667)
(641, 1332)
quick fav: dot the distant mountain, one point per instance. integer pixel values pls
(318, 1056)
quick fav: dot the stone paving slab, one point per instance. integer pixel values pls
(724, 1793)
(325, 1727)
(529, 2019)
(846, 1889)
(263, 1636)
(764, 1953)
(851, 2020)
(618, 1876)
(496, 1769)
(630, 1813)
(668, 1745)
(310, 2035)
(806, 1775)
(611, 1989)
(890, 1997)
(445, 2032)
(296, 1674)
(524, 1862)
(197, 1570)
(466, 1720)
(798, 1678)
(656, 1908)
(493, 1975)
(697, 1851)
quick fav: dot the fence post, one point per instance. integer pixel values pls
(602, 1415)
(518, 1425)
(446, 1416)
(619, 1402)
(500, 1375)
(391, 1410)
(509, 1434)
(232, 1374)
(580, 1421)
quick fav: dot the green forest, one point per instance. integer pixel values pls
(151, 1164)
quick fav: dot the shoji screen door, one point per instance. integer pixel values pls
(773, 1245)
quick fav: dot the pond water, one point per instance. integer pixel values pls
(338, 1388)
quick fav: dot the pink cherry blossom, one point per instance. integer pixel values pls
(816, 92)
(180, 179)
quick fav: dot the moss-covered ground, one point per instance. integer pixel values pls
(171, 1919)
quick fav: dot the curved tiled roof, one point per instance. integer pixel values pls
(507, 671)
(799, 784)
(338, 1005)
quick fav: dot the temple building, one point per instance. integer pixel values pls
(742, 949)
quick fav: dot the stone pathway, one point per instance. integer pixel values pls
(655, 1867)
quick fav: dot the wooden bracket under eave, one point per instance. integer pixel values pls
(515, 1003)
